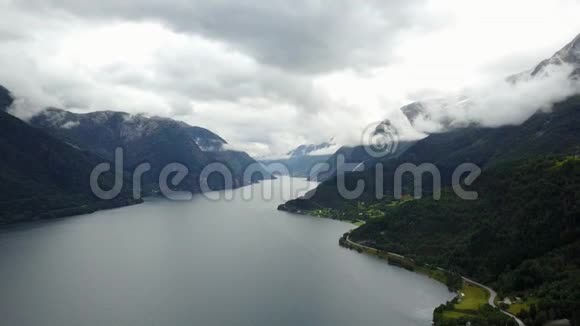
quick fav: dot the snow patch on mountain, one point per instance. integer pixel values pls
(208, 145)
(329, 150)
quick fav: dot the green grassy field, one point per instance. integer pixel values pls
(452, 314)
(568, 159)
(472, 300)
(516, 308)
(475, 297)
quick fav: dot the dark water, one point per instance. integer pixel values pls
(202, 262)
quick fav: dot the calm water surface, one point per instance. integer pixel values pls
(203, 262)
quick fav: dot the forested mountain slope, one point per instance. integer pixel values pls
(522, 235)
(556, 132)
(42, 177)
(158, 141)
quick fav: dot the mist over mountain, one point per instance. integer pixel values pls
(301, 161)
(49, 159)
(568, 55)
(525, 218)
(548, 130)
(216, 141)
(504, 102)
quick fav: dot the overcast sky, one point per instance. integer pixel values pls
(268, 75)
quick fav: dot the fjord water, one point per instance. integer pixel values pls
(203, 262)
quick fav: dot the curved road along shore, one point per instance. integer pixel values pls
(491, 301)
(492, 293)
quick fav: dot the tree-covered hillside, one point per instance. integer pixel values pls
(545, 133)
(42, 177)
(522, 235)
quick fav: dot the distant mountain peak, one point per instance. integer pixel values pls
(158, 141)
(569, 54)
(126, 127)
(307, 149)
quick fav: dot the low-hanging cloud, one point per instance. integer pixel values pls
(499, 103)
(267, 76)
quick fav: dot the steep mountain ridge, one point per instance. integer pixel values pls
(569, 54)
(103, 131)
(556, 132)
(158, 141)
(545, 133)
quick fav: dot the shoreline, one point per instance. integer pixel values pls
(408, 264)
(96, 206)
(67, 212)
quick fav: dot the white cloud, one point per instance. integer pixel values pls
(70, 124)
(504, 103)
(498, 103)
(281, 76)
